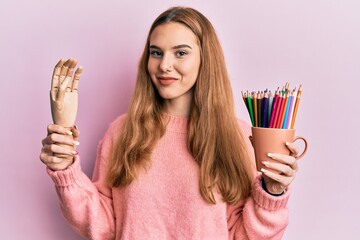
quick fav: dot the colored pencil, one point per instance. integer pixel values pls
(298, 95)
(265, 106)
(254, 97)
(271, 100)
(291, 111)
(279, 110)
(283, 110)
(250, 110)
(259, 98)
(270, 110)
(287, 112)
(274, 107)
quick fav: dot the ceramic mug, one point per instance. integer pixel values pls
(272, 140)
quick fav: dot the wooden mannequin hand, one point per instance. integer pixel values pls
(63, 93)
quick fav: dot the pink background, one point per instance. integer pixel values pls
(266, 43)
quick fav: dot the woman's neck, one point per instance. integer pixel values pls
(180, 106)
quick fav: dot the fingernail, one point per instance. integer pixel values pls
(76, 143)
(74, 152)
(265, 163)
(69, 132)
(263, 169)
(270, 155)
(287, 143)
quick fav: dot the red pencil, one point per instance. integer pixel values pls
(279, 108)
(273, 110)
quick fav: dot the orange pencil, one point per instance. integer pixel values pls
(296, 107)
(254, 97)
(259, 101)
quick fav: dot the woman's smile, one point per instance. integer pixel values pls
(166, 80)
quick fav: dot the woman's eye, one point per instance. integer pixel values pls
(181, 53)
(155, 53)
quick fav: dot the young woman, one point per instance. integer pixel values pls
(179, 164)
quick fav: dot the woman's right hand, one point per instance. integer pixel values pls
(59, 147)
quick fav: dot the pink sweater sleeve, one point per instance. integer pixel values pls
(261, 216)
(87, 205)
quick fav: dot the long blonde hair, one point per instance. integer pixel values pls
(214, 136)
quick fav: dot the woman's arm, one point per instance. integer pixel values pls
(261, 216)
(87, 205)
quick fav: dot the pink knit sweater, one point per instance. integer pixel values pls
(164, 202)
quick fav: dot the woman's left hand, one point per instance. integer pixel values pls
(285, 168)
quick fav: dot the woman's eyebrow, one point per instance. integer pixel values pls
(175, 47)
(182, 46)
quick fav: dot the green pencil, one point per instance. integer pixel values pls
(251, 110)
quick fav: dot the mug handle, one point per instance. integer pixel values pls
(305, 148)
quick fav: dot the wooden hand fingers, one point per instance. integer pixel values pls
(55, 82)
(75, 83)
(70, 73)
(62, 81)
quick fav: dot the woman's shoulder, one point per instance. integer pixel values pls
(118, 123)
(115, 127)
(245, 127)
(243, 123)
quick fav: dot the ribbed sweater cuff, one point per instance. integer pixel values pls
(265, 200)
(68, 176)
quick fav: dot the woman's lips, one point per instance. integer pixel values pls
(166, 81)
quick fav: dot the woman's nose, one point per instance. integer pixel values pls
(166, 63)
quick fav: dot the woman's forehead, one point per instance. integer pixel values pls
(172, 34)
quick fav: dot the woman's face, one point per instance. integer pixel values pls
(174, 62)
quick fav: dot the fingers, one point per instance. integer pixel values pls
(64, 80)
(63, 77)
(56, 157)
(54, 128)
(75, 132)
(282, 169)
(70, 72)
(59, 139)
(294, 151)
(55, 163)
(278, 174)
(284, 160)
(60, 135)
(278, 182)
(56, 75)
(75, 83)
(59, 146)
(54, 149)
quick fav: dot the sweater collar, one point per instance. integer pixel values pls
(177, 124)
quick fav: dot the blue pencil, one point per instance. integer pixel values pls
(286, 118)
(265, 109)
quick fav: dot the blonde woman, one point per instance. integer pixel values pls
(179, 164)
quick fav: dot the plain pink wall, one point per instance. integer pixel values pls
(266, 43)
